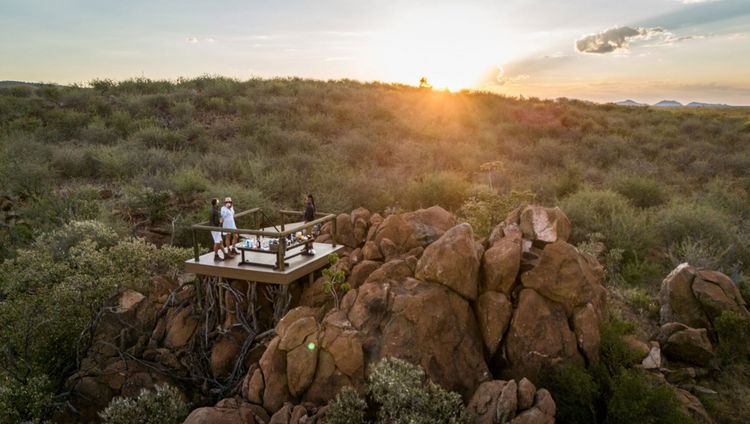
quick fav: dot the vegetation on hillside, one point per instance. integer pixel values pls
(84, 168)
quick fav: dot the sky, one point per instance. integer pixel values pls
(599, 50)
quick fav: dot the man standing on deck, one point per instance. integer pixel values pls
(214, 220)
(227, 221)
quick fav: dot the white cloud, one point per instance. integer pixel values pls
(619, 39)
(191, 40)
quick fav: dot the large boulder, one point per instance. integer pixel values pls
(228, 411)
(682, 343)
(307, 360)
(501, 264)
(453, 261)
(493, 311)
(546, 225)
(678, 303)
(717, 293)
(345, 231)
(539, 336)
(567, 276)
(423, 323)
(412, 229)
(498, 402)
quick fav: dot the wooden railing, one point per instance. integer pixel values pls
(257, 230)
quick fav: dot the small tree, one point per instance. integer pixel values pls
(334, 283)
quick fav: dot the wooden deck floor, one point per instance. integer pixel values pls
(298, 266)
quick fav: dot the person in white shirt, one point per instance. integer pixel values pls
(227, 221)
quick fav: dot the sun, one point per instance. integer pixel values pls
(453, 46)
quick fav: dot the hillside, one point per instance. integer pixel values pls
(645, 189)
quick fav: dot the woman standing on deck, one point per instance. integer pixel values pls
(227, 221)
(309, 208)
(309, 211)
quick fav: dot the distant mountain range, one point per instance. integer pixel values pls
(672, 103)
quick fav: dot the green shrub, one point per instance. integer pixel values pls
(444, 188)
(642, 192)
(164, 405)
(97, 132)
(636, 400)
(347, 408)
(403, 395)
(188, 182)
(611, 215)
(28, 401)
(484, 208)
(681, 220)
(617, 355)
(160, 137)
(733, 330)
(575, 392)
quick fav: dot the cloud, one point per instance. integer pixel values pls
(619, 39)
(696, 1)
(497, 76)
(196, 40)
(615, 39)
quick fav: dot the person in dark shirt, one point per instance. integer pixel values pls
(309, 208)
(309, 211)
(215, 221)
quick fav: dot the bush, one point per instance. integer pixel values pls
(161, 138)
(635, 400)
(485, 209)
(733, 330)
(575, 393)
(680, 221)
(27, 401)
(444, 188)
(164, 405)
(346, 408)
(52, 291)
(188, 182)
(403, 395)
(616, 354)
(642, 192)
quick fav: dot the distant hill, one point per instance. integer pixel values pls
(668, 103)
(630, 103)
(6, 84)
(707, 105)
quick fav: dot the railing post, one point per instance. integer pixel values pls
(282, 220)
(334, 230)
(196, 253)
(281, 254)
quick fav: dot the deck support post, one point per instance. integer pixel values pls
(196, 253)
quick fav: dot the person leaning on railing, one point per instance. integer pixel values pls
(214, 220)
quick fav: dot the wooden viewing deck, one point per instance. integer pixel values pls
(281, 267)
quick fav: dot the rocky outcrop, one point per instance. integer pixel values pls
(691, 300)
(413, 229)
(453, 261)
(695, 297)
(498, 401)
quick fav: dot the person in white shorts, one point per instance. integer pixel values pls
(214, 220)
(227, 221)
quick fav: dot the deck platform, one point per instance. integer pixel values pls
(298, 267)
